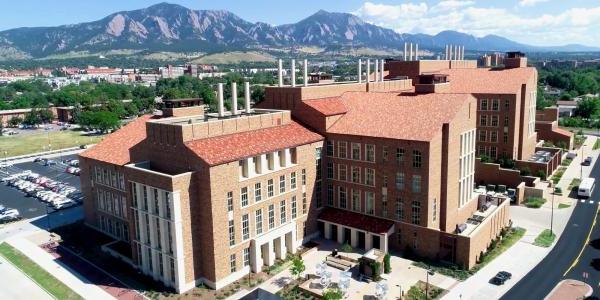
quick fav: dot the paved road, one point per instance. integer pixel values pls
(561, 263)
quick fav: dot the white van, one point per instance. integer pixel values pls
(586, 187)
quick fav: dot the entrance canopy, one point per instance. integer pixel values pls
(355, 220)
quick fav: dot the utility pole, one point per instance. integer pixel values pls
(552, 213)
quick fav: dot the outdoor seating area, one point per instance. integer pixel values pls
(340, 262)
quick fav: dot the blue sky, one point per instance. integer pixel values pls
(538, 22)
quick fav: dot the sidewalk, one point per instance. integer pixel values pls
(14, 288)
(523, 256)
(68, 277)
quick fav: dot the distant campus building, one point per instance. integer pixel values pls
(390, 161)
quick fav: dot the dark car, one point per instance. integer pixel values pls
(500, 278)
(587, 161)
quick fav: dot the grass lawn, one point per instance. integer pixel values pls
(545, 239)
(574, 183)
(566, 162)
(534, 202)
(597, 144)
(52, 285)
(558, 174)
(562, 205)
(37, 142)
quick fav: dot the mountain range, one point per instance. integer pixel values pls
(171, 27)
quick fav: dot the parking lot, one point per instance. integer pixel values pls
(31, 207)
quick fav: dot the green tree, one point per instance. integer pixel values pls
(15, 121)
(332, 294)
(587, 107)
(45, 115)
(105, 121)
(32, 118)
(297, 266)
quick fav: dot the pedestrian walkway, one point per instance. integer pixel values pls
(14, 288)
(70, 278)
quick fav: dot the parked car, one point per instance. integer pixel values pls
(9, 215)
(500, 278)
(587, 161)
(571, 154)
(50, 162)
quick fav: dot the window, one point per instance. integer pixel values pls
(258, 219)
(271, 216)
(495, 105)
(399, 155)
(330, 148)
(244, 196)
(145, 198)
(385, 180)
(493, 152)
(304, 204)
(417, 159)
(482, 135)
(506, 121)
(416, 183)
(385, 153)
(356, 151)
(270, 188)
(303, 176)
(370, 153)
(232, 263)
(329, 170)
(257, 192)
(294, 208)
(370, 199)
(293, 181)
(505, 137)
(494, 136)
(342, 197)
(282, 184)
(483, 120)
(356, 174)
(271, 161)
(229, 201)
(231, 233)
(355, 200)
(257, 165)
(245, 227)
(168, 204)
(399, 209)
(170, 237)
(246, 257)
(282, 212)
(506, 105)
(481, 150)
(134, 195)
(342, 176)
(156, 208)
(399, 181)
(416, 212)
(330, 195)
(384, 207)
(495, 121)
(370, 177)
(342, 149)
(282, 158)
(483, 104)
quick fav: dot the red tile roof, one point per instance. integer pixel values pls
(115, 147)
(356, 220)
(395, 116)
(223, 149)
(327, 106)
(488, 81)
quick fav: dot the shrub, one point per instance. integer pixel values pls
(297, 266)
(534, 202)
(332, 294)
(346, 248)
(525, 171)
(541, 174)
(387, 265)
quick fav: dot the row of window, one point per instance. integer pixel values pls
(109, 177)
(272, 213)
(342, 172)
(492, 136)
(153, 200)
(157, 232)
(491, 121)
(258, 193)
(155, 261)
(233, 260)
(370, 150)
(493, 104)
(491, 151)
(111, 203)
(267, 162)
(115, 228)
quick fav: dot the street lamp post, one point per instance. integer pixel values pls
(429, 272)
(552, 212)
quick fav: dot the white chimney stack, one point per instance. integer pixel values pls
(280, 72)
(376, 73)
(462, 53)
(247, 96)
(368, 70)
(220, 100)
(234, 99)
(293, 72)
(456, 52)
(359, 70)
(381, 73)
(416, 51)
(446, 53)
(405, 50)
(410, 53)
(305, 72)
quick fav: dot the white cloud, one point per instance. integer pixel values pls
(531, 2)
(574, 25)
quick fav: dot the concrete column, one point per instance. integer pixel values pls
(234, 99)
(293, 72)
(305, 72)
(269, 255)
(220, 100)
(280, 248)
(354, 238)
(256, 260)
(368, 70)
(280, 72)
(382, 68)
(376, 73)
(340, 234)
(359, 70)
(384, 242)
(368, 241)
(247, 96)
(327, 230)
(416, 51)
(290, 241)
